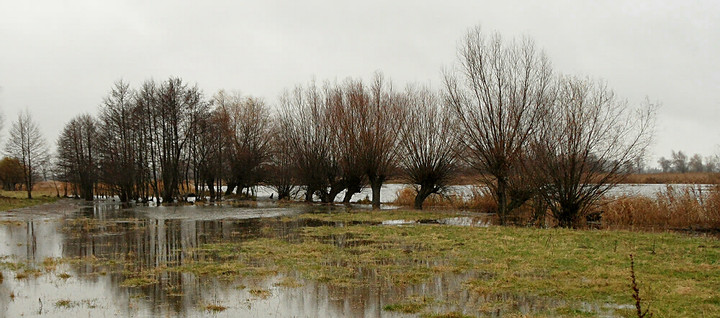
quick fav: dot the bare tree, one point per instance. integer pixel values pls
(348, 151)
(117, 141)
(498, 93)
(281, 171)
(250, 136)
(148, 137)
(711, 163)
(368, 122)
(310, 130)
(584, 146)
(429, 139)
(665, 164)
(77, 154)
(27, 145)
(679, 161)
(177, 107)
(696, 164)
(212, 142)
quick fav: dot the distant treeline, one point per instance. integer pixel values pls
(557, 142)
(680, 163)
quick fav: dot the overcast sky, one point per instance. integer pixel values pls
(60, 58)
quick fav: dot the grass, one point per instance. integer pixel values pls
(288, 282)
(18, 199)
(138, 282)
(67, 303)
(679, 274)
(260, 293)
(411, 305)
(214, 308)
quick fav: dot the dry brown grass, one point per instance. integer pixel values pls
(41, 189)
(673, 208)
(479, 200)
(674, 178)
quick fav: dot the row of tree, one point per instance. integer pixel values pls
(530, 134)
(679, 162)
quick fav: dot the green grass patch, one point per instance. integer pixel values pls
(412, 305)
(139, 282)
(16, 199)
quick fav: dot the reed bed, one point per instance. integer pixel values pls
(676, 207)
(693, 208)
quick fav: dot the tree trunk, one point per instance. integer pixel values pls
(87, 191)
(28, 185)
(502, 200)
(422, 194)
(351, 190)
(334, 191)
(569, 215)
(324, 196)
(230, 187)
(283, 192)
(375, 185)
(309, 195)
(348, 195)
(211, 188)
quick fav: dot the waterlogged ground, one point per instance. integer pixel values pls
(266, 260)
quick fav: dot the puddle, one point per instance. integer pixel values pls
(483, 221)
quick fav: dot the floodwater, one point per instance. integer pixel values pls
(152, 237)
(389, 192)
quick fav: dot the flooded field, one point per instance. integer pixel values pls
(100, 260)
(82, 263)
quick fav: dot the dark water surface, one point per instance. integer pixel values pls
(144, 238)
